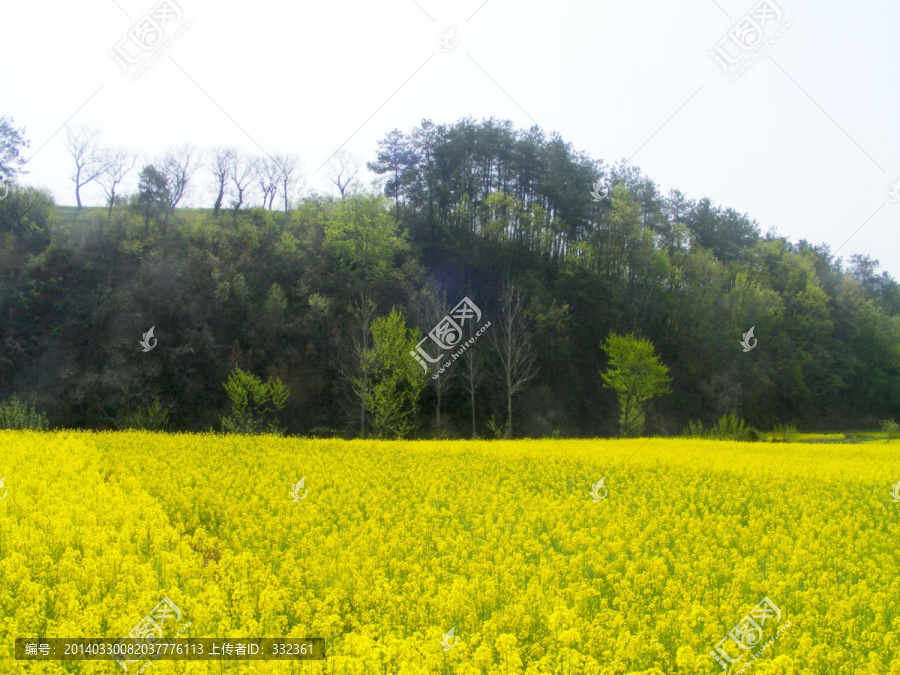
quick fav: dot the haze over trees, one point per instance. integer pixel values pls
(308, 290)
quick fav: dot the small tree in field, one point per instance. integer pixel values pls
(254, 403)
(17, 414)
(637, 375)
(154, 417)
(398, 380)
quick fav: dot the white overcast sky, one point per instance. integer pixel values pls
(806, 141)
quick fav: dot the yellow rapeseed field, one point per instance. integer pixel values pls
(395, 543)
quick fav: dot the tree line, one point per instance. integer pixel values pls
(329, 297)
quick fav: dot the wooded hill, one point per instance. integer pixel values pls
(467, 208)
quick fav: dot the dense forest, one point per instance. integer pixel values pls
(556, 249)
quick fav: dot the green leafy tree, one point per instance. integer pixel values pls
(12, 141)
(363, 238)
(396, 158)
(725, 232)
(499, 430)
(26, 213)
(784, 433)
(254, 403)
(17, 414)
(155, 417)
(731, 427)
(397, 379)
(363, 245)
(152, 199)
(636, 374)
(273, 312)
(694, 430)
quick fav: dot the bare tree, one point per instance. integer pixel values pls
(512, 341)
(436, 308)
(266, 171)
(342, 169)
(288, 176)
(118, 164)
(90, 158)
(355, 366)
(473, 373)
(220, 167)
(241, 175)
(178, 166)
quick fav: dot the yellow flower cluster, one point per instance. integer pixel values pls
(389, 545)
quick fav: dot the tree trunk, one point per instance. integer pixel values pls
(509, 412)
(472, 400)
(438, 435)
(362, 415)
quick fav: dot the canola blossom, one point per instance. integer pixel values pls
(461, 557)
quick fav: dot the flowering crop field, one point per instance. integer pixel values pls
(390, 545)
